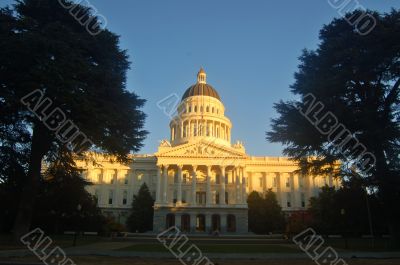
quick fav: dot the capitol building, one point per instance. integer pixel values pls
(199, 178)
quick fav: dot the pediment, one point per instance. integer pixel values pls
(201, 149)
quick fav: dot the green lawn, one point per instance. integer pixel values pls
(219, 248)
(361, 244)
(64, 241)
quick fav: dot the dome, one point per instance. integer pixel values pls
(201, 88)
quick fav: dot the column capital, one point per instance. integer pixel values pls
(194, 167)
(180, 166)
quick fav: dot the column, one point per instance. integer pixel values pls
(165, 184)
(181, 129)
(237, 183)
(296, 191)
(222, 195)
(208, 191)
(179, 197)
(158, 188)
(194, 180)
(208, 222)
(244, 194)
(193, 222)
(178, 220)
(283, 189)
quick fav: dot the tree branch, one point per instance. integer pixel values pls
(391, 97)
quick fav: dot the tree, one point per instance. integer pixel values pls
(354, 79)
(345, 211)
(61, 190)
(141, 217)
(44, 48)
(265, 214)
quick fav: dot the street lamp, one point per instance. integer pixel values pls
(343, 213)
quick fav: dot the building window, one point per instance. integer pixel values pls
(195, 129)
(126, 178)
(226, 197)
(98, 177)
(190, 108)
(184, 178)
(110, 196)
(261, 182)
(125, 197)
(195, 108)
(208, 109)
(274, 182)
(288, 182)
(289, 199)
(212, 110)
(201, 197)
(183, 196)
(303, 200)
(112, 177)
(231, 223)
(301, 181)
(217, 198)
(139, 178)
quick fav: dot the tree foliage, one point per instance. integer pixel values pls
(42, 46)
(60, 191)
(345, 211)
(265, 214)
(357, 78)
(141, 217)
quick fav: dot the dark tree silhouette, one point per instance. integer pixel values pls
(43, 47)
(141, 217)
(265, 214)
(357, 78)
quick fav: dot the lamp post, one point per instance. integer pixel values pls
(343, 213)
(78, 210)
(371, 229)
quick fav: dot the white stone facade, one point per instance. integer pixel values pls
(199, 180)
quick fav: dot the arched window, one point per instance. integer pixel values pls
(190, 108)
(185, 223)
(195, 108)
(216, 222)
(212, 110)
(231, 223)
(170, 220)
(208, 109)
